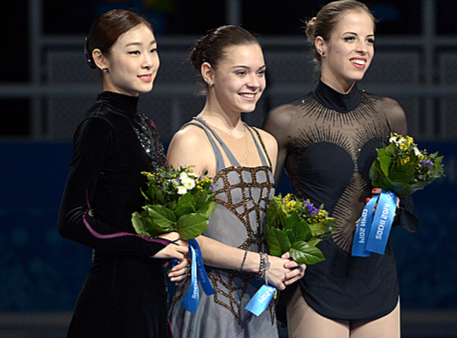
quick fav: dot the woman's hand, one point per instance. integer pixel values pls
(297, 271)
(179, 272)
(377, 191)
(284, 271)
(178, 248)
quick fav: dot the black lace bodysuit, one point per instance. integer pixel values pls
(328, 142)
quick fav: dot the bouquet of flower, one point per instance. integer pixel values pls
(297, 226)
(176, 200)
(399, 170)
(402, 168)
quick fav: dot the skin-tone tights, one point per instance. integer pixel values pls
(306, 322)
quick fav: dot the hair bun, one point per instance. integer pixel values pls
(89, 59)
(310, 25)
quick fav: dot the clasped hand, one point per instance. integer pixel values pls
(178, 249)
(284, 271)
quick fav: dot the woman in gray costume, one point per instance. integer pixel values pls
(240, 159)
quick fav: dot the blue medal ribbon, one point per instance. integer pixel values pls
(197, 273)
(363, 229)
(261, 299)
(382, 222)
(373, 232)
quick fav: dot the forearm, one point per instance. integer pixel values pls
(79, 226)
(220, 255)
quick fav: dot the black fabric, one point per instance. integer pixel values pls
(329, 141)
(125, 292)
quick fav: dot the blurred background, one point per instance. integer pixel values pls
(45, 86)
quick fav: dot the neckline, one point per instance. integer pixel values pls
(124, 104)
(198, 117)
(332, 99)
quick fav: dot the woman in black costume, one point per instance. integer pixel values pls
(125, 292)
(327, 143)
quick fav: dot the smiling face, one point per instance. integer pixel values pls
(133, 62)
(239, 80)
(348, 54)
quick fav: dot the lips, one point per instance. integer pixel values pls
(359, 63)
(145, 78)
(248, 95)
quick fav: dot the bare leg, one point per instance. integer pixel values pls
(304, 322)
(384, 327)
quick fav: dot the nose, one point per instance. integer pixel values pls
(254, 81)
(362, 47)
(148, 61)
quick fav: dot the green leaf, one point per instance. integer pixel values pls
(277, 241)
(156, 194)
(201, 197)
(138, 223)
(292, 220)
(191, 225)
(186, 205)
(301, 231)
(385, 161)
(208, 209)
(303, 253)
(160, 215)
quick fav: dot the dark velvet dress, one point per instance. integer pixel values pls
(330, 140)
(125, 292)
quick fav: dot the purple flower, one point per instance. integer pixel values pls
(312, 210)
(430, 163)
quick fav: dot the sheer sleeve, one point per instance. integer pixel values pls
(278, 123)
(94, 141)
(397, 121)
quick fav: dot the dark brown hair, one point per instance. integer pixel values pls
(105, 31)
(324, 23)
(211, 48)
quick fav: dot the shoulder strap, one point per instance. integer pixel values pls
(220, 164)
(261, 153)
(227, 151)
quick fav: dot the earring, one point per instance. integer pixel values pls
(211, 85)
(106, 70)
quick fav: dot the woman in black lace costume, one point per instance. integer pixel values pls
(327, 143)
(125, 292)
(240, 159)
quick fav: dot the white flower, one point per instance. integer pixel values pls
(416, 151)
(393, 139)
(181, 190)
(188, 183)
(183, 176)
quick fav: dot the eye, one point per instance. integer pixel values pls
(370, 40)
(240, 72)
(135, 52)
(262, 72)
(154, 50)
(349, 38)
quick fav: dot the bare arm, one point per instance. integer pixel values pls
(190, 146)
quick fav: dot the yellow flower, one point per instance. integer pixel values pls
(405, 160)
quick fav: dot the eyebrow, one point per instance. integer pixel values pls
(139, 43)
(247, 67)
(353, 33)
